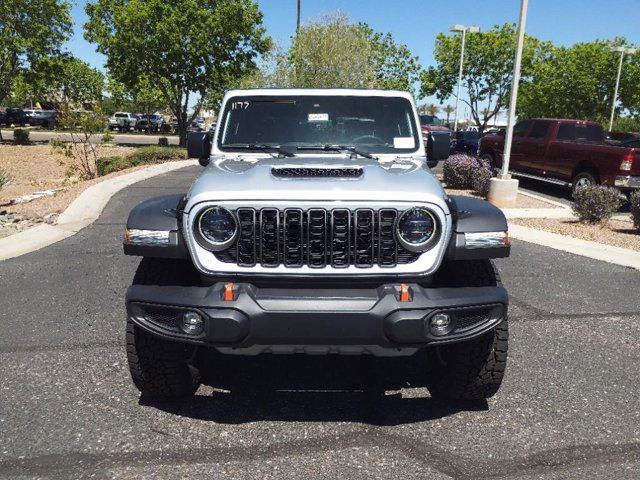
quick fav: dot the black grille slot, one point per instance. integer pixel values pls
(470, 318)
(269, 237)
(293, 243)
(165, 317)
(340, 238)
(294, 172)
(364, 238)
(246, 247)
(316, 238)
(387, 247)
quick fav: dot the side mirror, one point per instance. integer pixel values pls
(438, 146)
(199, 146)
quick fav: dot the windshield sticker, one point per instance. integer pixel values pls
(404, 142)
(318, 117)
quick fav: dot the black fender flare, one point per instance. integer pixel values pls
(162, 214)
(473, 215)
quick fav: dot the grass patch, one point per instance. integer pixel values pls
(142, 156)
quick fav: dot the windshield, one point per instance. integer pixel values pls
(430, 120)
(372, 124)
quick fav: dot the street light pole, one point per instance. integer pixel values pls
(515, 83)
(503, 190)
(464, 29)
(622, 50)
(298, 19)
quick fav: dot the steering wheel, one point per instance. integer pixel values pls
(364, 138)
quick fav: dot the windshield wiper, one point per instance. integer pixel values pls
(263, 147)
(339, 148)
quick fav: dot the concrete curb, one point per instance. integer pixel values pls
(598, 251)
(82, 212)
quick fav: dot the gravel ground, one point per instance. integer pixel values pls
(617, 233)
(523, 201)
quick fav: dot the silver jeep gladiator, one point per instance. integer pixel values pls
(317, 227)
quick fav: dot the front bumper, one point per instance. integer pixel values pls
(276, 320)
(627, 181)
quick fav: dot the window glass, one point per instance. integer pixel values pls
(539, 130)
(521, 128)
(375, 124)
(575, 132)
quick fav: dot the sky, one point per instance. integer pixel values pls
(417, 22)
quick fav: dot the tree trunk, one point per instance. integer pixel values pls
(182, 133)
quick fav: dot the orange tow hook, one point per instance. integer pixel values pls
(228, 292)
(405, 293)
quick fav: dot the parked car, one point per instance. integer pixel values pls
(465, 142)
(3, 117)
(350, 246)
(151, 123)
(15, 116)
(123, 121)
(43, 118)
(197, 124)
(565, 152)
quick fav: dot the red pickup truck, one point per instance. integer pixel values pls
(566, 152)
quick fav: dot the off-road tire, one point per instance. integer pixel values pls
(161, 368)
(470, 370)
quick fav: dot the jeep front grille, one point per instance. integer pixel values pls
(310, 172)
(316, 238)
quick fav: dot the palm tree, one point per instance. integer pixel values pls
(432, 108)
(448, 109)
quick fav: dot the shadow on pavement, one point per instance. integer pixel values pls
(315, 389)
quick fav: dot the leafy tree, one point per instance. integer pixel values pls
(331, 52)
(192, 49)
(487, 69)
(576, 82)
(29, 31)
(394, 67)
(64, 81)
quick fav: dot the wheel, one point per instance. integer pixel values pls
(584, 179)
(471, 370)
(161, 368)
(488, 159)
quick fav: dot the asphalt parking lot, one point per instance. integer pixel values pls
(569, 406)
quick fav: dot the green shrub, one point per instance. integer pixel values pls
(142, 156)
(634, 205)
(595, 203)
(480, 180)
(5, 178)
(21, 136)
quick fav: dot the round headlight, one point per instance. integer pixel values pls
(217, 227)
(417, 229)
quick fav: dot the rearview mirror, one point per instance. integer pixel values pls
(199, 146)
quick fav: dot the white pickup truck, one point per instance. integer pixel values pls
(123, 121)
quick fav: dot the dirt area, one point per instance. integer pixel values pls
(523, 201)
(36, 168)
(616, 232)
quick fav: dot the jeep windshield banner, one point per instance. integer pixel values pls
(371, 124)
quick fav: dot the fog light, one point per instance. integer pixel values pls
(192, 323)
(440, 324)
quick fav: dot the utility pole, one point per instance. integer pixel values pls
(622, 50)
(464, 29)
(298, 19)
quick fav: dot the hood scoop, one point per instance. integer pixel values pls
(317, 172)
